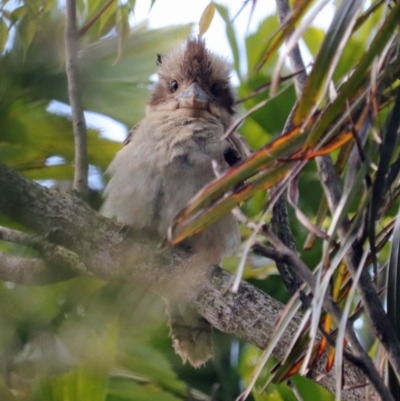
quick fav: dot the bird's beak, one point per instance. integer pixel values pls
(193, 97)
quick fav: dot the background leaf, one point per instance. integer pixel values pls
(3, 33)
(206, 18)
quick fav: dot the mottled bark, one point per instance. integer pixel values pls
(108, 252)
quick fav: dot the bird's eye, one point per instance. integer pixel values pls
(174, 86)
(216, 89)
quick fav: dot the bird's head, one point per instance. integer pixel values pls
(194, 82)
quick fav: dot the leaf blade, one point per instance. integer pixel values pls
(206, 18)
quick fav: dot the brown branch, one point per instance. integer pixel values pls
(252, 315)
(263, 88)
(66, 262)
(102, 247)
(28, 271)
(18, 237)
(80, 184)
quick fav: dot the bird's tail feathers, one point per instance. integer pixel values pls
(191, 334)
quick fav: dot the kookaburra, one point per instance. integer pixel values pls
(167, 159)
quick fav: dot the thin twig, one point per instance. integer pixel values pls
(295, 58)
(99, 13)
(280, 219)
(236, 123)
(262, 88)
(80, 184)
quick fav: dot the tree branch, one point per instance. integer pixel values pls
(38, 271)
(27, 271)
(78, 119)
(108, 253)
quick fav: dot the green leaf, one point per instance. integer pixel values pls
(123, 30)
(206, 18)
(357, 77)
(107, 14)
(192, 219)
(230, 33)
(313, 37)
(31, 135)
(143, 359)
(255, 135)
(80, 384)
(93, 7)
(209, 203)
(17, 14)
(47, 6)
(327, 58)
(26, 31)
(6, 14)
(128, 390)
(371, 16)
(284, 31)
(89, 380)
(352, 53)
(3, 34)
(254, 51)
(279, 106)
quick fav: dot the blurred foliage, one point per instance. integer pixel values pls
(87, 340)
